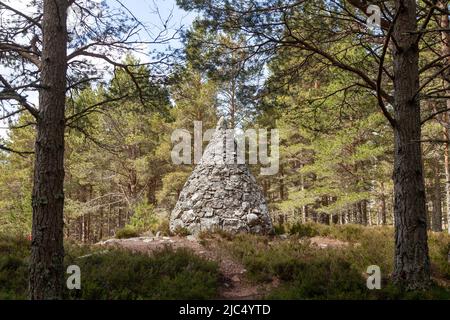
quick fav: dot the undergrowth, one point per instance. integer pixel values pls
(309, 272)
(115, 274)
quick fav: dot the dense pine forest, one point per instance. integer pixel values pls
(359, 92)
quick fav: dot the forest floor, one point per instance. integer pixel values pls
(234, 283)
(305, 261)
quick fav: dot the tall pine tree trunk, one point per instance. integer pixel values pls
(47, 251)
(411, 264)
(302, 188)
(445, 36)
(447, 168)
(446, 133)
(383, 206)
(436, 219)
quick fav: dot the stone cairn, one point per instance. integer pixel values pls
(221, 195)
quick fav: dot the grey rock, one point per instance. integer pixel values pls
(217, 205)
(209, 224)
(252, 219)
(188, 216)
(194, 228)
(229, 187)
(209, 212)
(196, 196)
(238, 213)
(234, 225)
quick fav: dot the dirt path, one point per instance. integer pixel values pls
(234, 285)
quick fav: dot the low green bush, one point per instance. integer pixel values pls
(279, 229)
(304, 230)
(14, 251)
(166, 274)
(127, 232)
(348, 232)
(322, 279)
(439, 249)
(161, 225)
(116, 274)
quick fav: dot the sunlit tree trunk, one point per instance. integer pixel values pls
(445, 36)
(411, 263)
(47, 251)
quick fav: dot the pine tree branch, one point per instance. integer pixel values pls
(20, 153)
(20, 13)
(13, 94)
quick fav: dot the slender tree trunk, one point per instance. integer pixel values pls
(447, 167)
(109, 218)
(411, 263)
(151, 192)
(83, 228)
(357, 212)
(47, 251)
(281, 186)
(80, 229)
(363, 212)
(383, 205)
(445, 36)
(427, 207)
(447, 174)
(302, 188)
(100, 230)
(437, 199)
(88, 228)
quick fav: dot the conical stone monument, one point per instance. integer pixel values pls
(221, 195)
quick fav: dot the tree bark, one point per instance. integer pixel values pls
(411, 263)
(47, 251)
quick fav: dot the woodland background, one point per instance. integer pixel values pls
(335, 149)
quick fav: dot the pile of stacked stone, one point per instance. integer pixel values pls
(221, 195)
